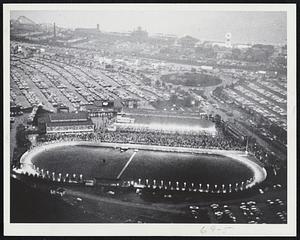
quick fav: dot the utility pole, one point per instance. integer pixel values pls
(247, 146)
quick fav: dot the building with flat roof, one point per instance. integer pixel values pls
(66, 123)
(101, 108)
(62, 108)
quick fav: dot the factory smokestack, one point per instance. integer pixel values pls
(54, 30)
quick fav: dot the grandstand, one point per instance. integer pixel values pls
(67, 123)
(163, 122)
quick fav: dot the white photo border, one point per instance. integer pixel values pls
(289, 229)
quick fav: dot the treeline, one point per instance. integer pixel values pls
(22, 144)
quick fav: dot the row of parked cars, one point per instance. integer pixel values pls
(18, 77)
(278, 207)
(223, 213)
(197, 214)
(252, 212)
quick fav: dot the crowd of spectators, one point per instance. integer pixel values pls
(152, 138)
(170, 139)
(142, 130)
(218, 141)
(267, 158)
(66, 137)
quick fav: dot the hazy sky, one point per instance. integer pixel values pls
(245, 27)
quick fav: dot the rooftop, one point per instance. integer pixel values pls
(88, 122)
(67, 117)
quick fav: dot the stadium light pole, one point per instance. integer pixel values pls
(247, 147)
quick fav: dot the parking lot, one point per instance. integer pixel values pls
(263, 97)
(270, 211)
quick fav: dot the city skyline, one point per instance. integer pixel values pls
(262, 27)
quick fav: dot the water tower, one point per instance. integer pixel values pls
(228, 40)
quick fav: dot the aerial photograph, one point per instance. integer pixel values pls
(148, 116)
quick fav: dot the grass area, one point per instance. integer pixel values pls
(102, 162)
(87, 160)
(29, 205)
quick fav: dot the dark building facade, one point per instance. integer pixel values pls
(66, 123)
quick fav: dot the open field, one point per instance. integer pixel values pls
(152, 163)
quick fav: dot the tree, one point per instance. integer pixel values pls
(21, 137)
(157, 83)
(147, 81)
(218, 119)
(173, 98)
(188, 101)
(236, 53)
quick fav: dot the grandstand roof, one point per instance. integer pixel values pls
(177, 120)
(66, 117)
(70, 123)
(159, 122)
(132, 111)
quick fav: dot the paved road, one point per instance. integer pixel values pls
(154, 207)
